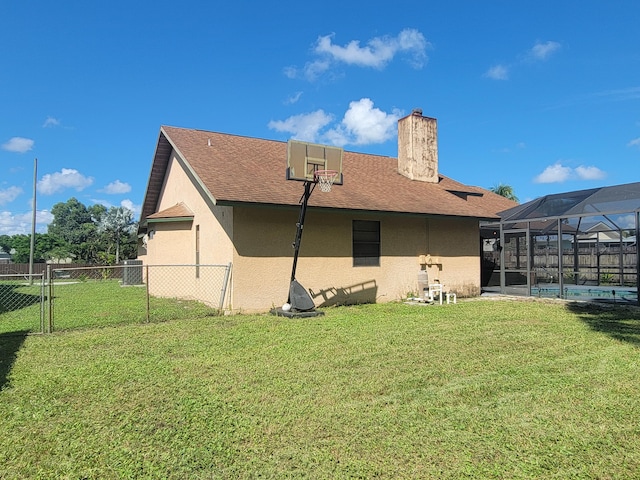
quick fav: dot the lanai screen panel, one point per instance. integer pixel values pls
(598, 246)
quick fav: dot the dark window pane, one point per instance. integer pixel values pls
(366, 243)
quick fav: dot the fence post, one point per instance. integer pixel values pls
(146, 274)
(50, 299)
(223, 293)
(43, 306)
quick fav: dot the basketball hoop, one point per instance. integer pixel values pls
(325, 179)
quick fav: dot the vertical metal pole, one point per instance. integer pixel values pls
(50, 283)
(637, 257)
(42, 300)
(576, 260)
(33, 221)
(598, 256)
(560, 263)
(223, 293)
(146, 268)
(621, 258)
(300, 225)
(529, 248)
(503, 275)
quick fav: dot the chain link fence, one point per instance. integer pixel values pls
(22, 303)
(82, 297)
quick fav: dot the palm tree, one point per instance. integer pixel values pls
(505, 191)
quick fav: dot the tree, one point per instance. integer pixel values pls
(116, 225)
(5, 243)
(45, 247)
(505, 191)
(76, 226)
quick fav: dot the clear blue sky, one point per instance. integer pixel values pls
(540, 95)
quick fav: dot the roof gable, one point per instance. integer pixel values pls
(178, 212)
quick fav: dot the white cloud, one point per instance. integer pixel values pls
(554, 174)
(498, 72)
(621, 94)
(363, 124)
(293, 98)
(559, 173)
(43, 217)
(313, 70)
(634, 143)
(66, 178)
(626, 221)
(542, 51)
(18, 145)
(589, 173)
(136, 209)
(13, 224)
(378, 52)
(99, 201)
(9, 195)
(518, 146)
(51, 122)
(290, 71)
(305, 127)
(116, 187)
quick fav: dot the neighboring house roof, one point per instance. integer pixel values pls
(232, 169)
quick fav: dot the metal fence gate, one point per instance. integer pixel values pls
(22, 303)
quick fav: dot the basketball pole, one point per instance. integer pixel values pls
(300, 227)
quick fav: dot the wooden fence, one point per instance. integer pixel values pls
(38, 268)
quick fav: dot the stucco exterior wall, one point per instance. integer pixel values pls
(173, 243)
(454, 246)
(264, 255)
(257, 240)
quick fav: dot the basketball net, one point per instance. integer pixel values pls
(325, 179)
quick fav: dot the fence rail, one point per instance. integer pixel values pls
(77, 297)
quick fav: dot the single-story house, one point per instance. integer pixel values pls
(215, 198)
(5, 257)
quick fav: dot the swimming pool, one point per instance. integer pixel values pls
(605, 293)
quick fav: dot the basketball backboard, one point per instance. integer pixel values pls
(303, 159)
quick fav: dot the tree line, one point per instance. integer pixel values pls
(83, 234)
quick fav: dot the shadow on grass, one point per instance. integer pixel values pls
(618, 321)
(10, 299)
(10, 344)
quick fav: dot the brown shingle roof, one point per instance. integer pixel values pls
(250, 170)
(179, 210)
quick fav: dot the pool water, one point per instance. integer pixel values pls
(578, 292)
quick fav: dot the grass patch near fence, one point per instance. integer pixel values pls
(20, 304)
(482, 389)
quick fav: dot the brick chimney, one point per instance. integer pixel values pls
(418, 147)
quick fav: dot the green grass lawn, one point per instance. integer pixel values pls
(481, 389)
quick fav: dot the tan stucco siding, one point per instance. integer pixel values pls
(454, 244)
(257, 240)
(175, 242)
(264, 255)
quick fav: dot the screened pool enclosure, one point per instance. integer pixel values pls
(574, 245)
